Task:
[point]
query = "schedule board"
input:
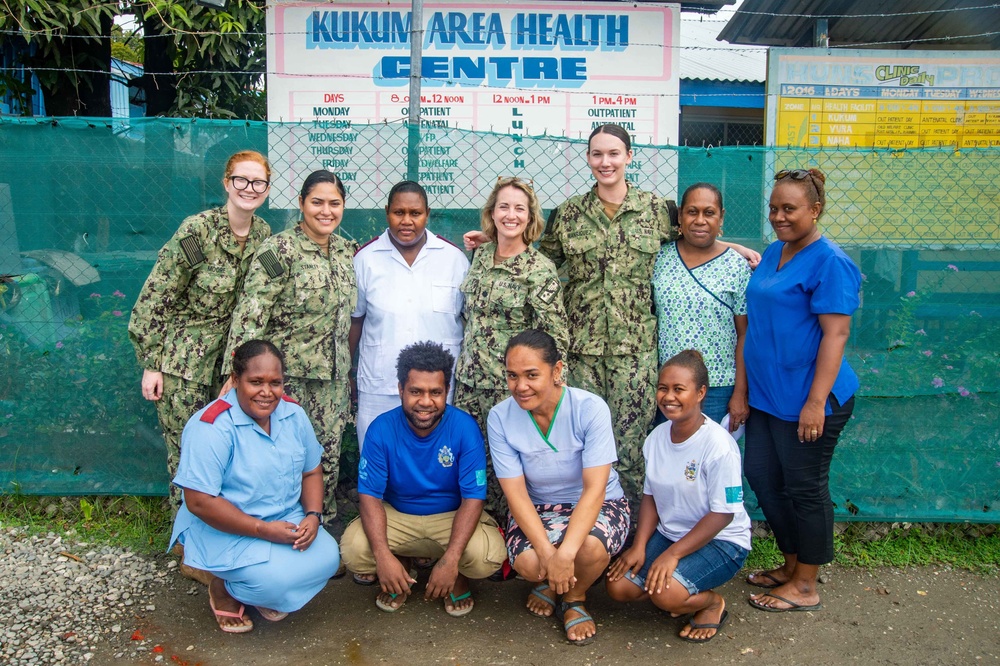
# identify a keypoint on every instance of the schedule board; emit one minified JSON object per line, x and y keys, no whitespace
{"x":884,"y":99}
{"x":942,"y":105}
{"x":512,"y":68}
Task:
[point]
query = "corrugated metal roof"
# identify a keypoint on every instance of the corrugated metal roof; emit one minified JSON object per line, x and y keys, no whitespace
{"x":917,"y":24}
{"x":702,"y":57}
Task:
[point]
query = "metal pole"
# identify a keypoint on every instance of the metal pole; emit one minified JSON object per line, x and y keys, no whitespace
{"x":413,"y":119}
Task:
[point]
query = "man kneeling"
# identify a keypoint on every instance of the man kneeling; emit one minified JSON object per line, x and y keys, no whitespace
{"x":421,"y":487}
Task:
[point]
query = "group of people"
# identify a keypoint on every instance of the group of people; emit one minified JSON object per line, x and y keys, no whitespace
{"x":503,"y":414}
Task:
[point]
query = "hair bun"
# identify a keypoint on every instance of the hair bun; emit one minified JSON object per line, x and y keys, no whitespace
{"x":818,"y":175}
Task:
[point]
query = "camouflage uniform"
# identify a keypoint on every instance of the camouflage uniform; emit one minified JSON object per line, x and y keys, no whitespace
{"x":302,"y":301}
{"x":609,"y":304}
{"x":501,"y":301}
{"x":182,"y":315}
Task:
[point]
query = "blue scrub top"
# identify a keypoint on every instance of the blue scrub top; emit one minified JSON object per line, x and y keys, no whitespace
{"x":580,"y":436}
{"x":259,"y":474}
{"x":783,"y":330}
{"x":422,"y":476}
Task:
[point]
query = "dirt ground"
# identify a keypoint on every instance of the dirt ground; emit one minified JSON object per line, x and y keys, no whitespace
{"x":884,"y":616}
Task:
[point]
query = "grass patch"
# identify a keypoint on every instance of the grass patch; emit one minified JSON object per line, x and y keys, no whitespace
{"x":910,"y":546}
{"x":141,"y":524}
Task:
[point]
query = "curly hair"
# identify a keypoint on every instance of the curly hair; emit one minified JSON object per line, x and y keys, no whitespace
{"x":426,"y":356}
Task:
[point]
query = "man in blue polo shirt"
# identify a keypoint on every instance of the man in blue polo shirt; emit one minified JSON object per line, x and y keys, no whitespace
{"x":421,"y":487}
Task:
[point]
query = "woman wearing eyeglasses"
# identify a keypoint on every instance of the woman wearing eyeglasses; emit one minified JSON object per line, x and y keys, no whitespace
{"x":299,"y":294}
{"x":180,"y":320}
{"x":510,"y":287}
{"x":799,"y":304}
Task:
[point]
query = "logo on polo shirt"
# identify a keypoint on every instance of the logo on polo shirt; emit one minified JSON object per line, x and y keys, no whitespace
{"x":445,"y":457}
{"x":691,"y":470}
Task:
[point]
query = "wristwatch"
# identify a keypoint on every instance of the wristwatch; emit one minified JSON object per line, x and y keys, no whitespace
{"x":319,"y":516}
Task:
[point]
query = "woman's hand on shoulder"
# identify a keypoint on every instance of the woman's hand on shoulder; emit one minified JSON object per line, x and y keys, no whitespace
{"x":278,"y":531}
{"x":227,"y":387}
{"x":752,"y":256}
{"x":631,"y":560}
{"x":473,"y":239}
{"x":152,"y":385}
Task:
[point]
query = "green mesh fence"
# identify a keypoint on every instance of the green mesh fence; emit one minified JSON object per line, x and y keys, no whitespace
{"x":85,"y":205}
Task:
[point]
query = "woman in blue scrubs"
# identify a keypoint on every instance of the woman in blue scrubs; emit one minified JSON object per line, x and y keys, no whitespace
{"x":799,"y":305}
{"x":253,"y":494}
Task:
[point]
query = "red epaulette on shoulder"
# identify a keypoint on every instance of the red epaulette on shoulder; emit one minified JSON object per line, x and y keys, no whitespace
{"x":214,"y":410}
{"x":448,"y":242}
{"x":366,"y":245}
{"x":286,"y":398}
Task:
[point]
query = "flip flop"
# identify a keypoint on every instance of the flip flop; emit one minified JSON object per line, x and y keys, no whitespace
{"x":792,"y":606}
{"x":458,"y":612}
{"x":219,"y":614}
{"x":539,"y":591}
{"x":388,"y":607}
{"x":365,"y":581}
{"x":764,"y":574}
{"x":707,"y":625}
{"x":271,"y":615}
{"x":584,"y":617}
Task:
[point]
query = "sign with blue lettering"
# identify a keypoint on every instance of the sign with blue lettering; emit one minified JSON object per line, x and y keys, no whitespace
{"x":517,"y":69}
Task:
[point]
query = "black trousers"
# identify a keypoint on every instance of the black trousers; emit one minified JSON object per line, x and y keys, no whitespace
{"x":792,"y":480}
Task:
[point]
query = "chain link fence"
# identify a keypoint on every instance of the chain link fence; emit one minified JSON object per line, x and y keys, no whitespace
{"x":86,"y":204}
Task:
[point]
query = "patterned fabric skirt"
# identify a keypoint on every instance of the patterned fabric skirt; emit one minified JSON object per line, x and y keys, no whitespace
{"x":611,"y":527}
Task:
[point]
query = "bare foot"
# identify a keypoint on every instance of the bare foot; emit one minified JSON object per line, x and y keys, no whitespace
{"x":708,"y":621}
{"x":229,"y":613}
{"x":541,"y":601}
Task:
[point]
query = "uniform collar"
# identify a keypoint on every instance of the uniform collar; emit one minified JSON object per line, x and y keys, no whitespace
{"x":630,"y":202}
{"x":484,"y":257}
{"x":240,"y":418}
{"x":384,"y":244}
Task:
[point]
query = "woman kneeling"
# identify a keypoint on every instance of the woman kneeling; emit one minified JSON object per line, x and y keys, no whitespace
{"x":693,"y":533}
{"x":253,"y":489}
{"x":552,"y":449}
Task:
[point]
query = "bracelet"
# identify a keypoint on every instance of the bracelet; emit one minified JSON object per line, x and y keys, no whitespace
{"x":319,"y":516}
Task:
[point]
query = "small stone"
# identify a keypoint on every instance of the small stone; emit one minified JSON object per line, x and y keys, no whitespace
{"x":116,"y":628}
{"x":151,"y":607}
{"x":824,"y":578}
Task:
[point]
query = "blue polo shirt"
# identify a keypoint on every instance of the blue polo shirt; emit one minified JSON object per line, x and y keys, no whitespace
{"x":783,"y":331}
{"x":422,"y":476}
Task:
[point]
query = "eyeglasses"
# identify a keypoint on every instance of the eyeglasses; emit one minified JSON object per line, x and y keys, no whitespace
{"x":794,"y":174}
{"x":258,"y":186}
{"x":517,"y":179}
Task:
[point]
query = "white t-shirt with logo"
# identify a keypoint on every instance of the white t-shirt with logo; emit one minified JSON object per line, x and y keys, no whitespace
{"x":690,"y":479}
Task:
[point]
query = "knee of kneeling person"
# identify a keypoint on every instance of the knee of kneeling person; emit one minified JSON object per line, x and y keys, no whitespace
{"x":593,"y":552}
{"x":355,"y":551}
{"x":484,"y":553}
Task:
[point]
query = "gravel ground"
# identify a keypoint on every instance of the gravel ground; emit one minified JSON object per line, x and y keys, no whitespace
{"x":63,"y":601}
{"x":62,"y":598}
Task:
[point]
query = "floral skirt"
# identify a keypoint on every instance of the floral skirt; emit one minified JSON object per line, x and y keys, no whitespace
{"x":611,"y":527}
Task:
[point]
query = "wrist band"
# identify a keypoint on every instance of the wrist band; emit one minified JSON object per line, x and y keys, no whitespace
{"x":319,"y":516}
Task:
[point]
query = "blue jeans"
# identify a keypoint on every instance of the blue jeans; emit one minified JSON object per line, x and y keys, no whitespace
{"x":710,"y":566}
{"x":714,"y":406}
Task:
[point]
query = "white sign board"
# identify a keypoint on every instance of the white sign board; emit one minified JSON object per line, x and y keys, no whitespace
{"x":515,"y":69}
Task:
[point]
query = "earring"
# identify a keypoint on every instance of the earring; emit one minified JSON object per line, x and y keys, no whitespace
{"x":720,"y":231}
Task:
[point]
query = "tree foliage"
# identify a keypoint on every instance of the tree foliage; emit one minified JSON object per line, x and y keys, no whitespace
{"x":198,"y":61}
